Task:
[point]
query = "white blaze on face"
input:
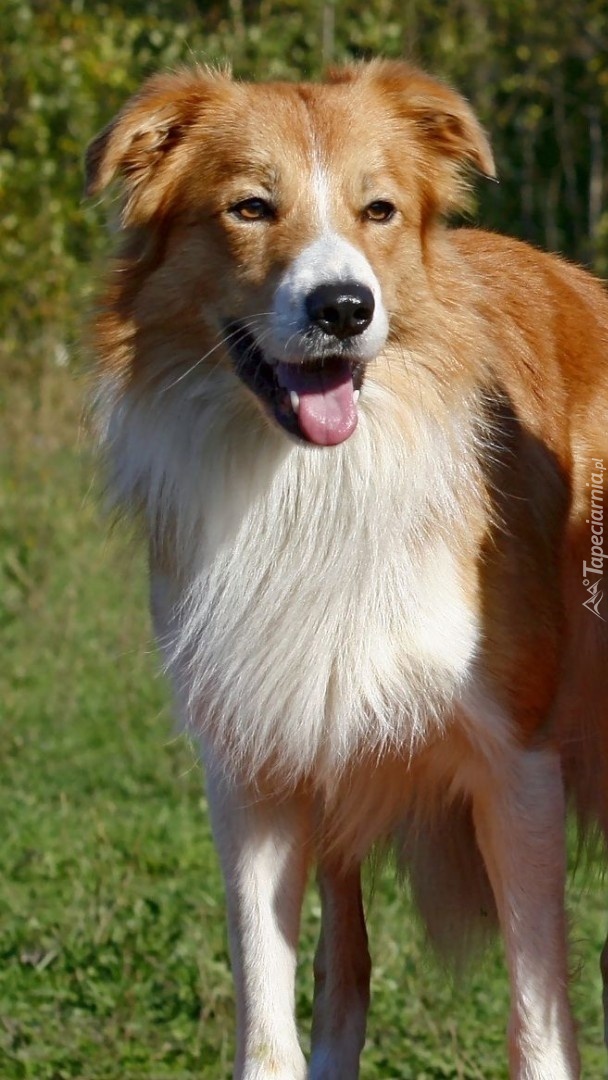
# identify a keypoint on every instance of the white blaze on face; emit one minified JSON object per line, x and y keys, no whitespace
{"x":329,"y":259}
{"x":321,"y":186}
{"x":323,"y":395}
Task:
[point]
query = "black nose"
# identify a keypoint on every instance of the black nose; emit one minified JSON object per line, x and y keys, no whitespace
{"x":343,"y":309}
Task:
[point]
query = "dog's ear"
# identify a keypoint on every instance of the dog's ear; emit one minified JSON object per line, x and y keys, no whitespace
{"x":451,"y":140}
{"x":449,"y":125}
{"x":141,"y":142}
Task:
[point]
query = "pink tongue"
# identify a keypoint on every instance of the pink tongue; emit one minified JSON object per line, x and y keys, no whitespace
{"x":327,"y":414}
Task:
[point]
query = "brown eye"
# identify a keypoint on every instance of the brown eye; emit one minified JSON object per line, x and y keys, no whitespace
{"x":380,"y":210}
{"x":252,"y":210}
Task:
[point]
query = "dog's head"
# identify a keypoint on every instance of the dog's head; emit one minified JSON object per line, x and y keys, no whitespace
{"x":281,"y":230}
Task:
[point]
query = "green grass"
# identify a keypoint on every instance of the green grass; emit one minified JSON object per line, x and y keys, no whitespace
{"x":112,"y":935}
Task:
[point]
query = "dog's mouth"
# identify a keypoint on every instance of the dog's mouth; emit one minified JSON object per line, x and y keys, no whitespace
{"x":315,"y":400}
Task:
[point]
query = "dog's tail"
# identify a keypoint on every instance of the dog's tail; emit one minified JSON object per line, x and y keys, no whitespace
{"x":450,"y":887}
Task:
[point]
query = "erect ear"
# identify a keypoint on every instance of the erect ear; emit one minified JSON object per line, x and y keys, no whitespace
{"x":137,"y":145}
{"x":452,"y":142}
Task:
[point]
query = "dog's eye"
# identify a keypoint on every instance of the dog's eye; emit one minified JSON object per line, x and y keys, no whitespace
{"x":252,"y":210}
{"x":380,"y":210}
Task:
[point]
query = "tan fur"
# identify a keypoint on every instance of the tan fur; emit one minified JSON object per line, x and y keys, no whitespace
{"x":466,"y":488}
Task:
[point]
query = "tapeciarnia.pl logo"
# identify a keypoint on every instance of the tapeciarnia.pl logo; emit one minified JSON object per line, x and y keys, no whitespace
{"x":593,"y":571}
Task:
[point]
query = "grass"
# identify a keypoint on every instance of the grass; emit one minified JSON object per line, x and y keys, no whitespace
{"x":112,"y":935}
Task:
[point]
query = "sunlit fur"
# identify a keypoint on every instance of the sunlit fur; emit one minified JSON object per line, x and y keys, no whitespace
{"x":383,"y":640}
{"x":379,"y":595}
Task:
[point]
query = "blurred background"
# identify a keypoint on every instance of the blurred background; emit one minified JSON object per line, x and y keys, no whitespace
{"x":112,"y":940}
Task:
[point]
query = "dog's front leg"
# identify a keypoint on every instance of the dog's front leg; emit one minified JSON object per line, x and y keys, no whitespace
{"x":264,"y":848}
{"x":520,"y":825}
{"x":342,"y":973}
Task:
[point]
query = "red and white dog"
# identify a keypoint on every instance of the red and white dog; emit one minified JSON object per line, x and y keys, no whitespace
{"x":370,"y":453}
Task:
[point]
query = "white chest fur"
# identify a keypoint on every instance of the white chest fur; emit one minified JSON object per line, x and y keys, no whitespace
{"x":321,"y":611}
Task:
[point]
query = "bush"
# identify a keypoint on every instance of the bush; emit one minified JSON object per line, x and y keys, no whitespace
{"x":538,"y":77}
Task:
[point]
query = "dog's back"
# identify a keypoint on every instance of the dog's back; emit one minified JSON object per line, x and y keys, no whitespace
{"x":554,"y":418}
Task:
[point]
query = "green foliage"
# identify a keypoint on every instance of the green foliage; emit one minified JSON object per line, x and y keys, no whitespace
{"x":538,"y":74}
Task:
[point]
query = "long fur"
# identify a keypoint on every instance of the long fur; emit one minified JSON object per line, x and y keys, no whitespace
{"x":382,"y":640}
{"x":281,"y":547}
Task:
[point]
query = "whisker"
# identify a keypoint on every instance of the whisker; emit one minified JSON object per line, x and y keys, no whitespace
{"x":224,"y":339}
{"x":259,"y":343}
{"x":291,"y":338}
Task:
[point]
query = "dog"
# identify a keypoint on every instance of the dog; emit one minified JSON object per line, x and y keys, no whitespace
{"x":368,"y":451}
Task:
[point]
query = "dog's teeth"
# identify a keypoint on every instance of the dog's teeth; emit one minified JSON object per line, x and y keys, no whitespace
{"x":356,"y":396}
{"x":294,"y":397}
